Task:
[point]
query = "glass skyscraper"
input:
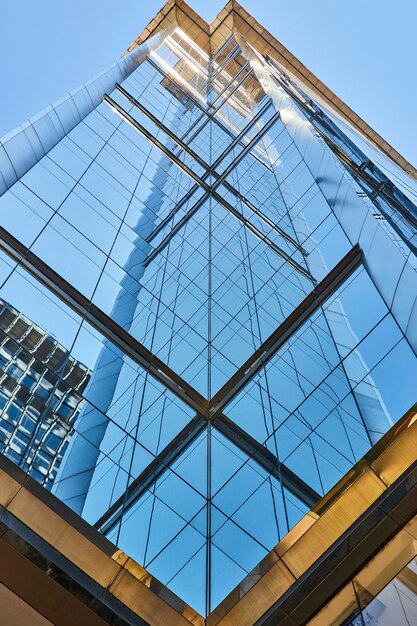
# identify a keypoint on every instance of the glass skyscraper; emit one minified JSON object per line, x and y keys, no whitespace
{"x":224,"y":256}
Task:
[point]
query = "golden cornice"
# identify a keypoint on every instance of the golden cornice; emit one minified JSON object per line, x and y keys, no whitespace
{"x":233,"y":16}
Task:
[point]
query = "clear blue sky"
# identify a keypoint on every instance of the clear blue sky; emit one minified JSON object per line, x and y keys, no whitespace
{"x":364,"y":50}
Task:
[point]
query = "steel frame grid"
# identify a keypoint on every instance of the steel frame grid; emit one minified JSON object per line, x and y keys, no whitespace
{"x":209,"y":189}
{"x":208,"y":411}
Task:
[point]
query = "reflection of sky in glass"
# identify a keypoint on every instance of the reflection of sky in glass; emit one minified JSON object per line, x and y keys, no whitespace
{"x":201,"y":270}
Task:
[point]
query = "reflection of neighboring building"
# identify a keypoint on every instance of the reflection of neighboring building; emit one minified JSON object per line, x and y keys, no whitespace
{"x":40,"y":396}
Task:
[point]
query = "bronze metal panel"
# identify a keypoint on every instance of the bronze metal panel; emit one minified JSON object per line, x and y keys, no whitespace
{"x":41,"y":593}
{"x":32,"y":506}
{"x":56,"y":531}
{"x":333,"y":523}
{"x":142,"y":601}
{"x":272,"y":585}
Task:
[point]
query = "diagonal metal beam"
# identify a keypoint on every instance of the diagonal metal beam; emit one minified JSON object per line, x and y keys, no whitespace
{"x":229,"y":57}
{"x":151,"y":474}
{"x":107,"y":327}
{"x":327,"y":287}
{"x":121,"y":339}
{"x":260,"y":235}
{"x":172,"y":213}
{"x":208,"y":188}
{"x":248,"y":147}
{"x":184,"y":146}
{"x":239,"y":78}
{"x":189,"y":194}
{"x":162,"y":126}
{"x":233,"y":433}
{"x":197,"y":129}
{"x":222,"y":47}
{"x":239,"y":138}
{"x":176,"y":140}
{"x":158,"y":144}
{"x":264,"y":217}
{"x":240,"y":197}
{"x":267,"y":460}
{"x":241,"y":218}
{"x":175,"y":229}
{"x":210,"y":116}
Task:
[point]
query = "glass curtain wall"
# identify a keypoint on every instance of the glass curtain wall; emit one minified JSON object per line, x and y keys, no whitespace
{"x":191,"y":216}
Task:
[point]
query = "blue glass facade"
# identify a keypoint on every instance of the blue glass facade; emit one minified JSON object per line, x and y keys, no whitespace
{"x":209,"y":203}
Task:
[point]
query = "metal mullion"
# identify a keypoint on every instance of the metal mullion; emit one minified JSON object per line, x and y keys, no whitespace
{"x":222,"y":47}
{"x":99,"y":320}
{"x":267,"y":460}
{"x":210,"y":79}
{"x":359,"y":172}
{"x":228,"y":132}
{"x":311,"y":303}
{"x":240,"y":137}
{"x":323,"y":126}
{"x":183,"y":90}
{"x":199,"y":106}
{"x":151,"y":474}
{"x":202,"y":183}
{"x":181,"y":442}
{"x":229,"y":57}
{"x":158,"y":144}
{"x":172,"y":213}
{"x":176,"y":229}
{"x":333,"y":568}
{"x":188,"y":95}
{"x":206,"y":187}
{"x":197,"y":121}
{"x":196,"y":132}
{"x":188,"y":59}
{"x":264,"y":217}
{"x":184,"y":55}
{"x":174,"y":82}
{"x":242,"y":80}
{"x":260,"y":235}
{"x":239,"y":216}
{"x":247,"y":148}
{"x":265,"y":165}
{"x":162,"y":127}
{"x":209,"y":451}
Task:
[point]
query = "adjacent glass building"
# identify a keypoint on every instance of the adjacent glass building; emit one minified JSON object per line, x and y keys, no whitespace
{"x":38,"y":409}
{"x":221,"y":258}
